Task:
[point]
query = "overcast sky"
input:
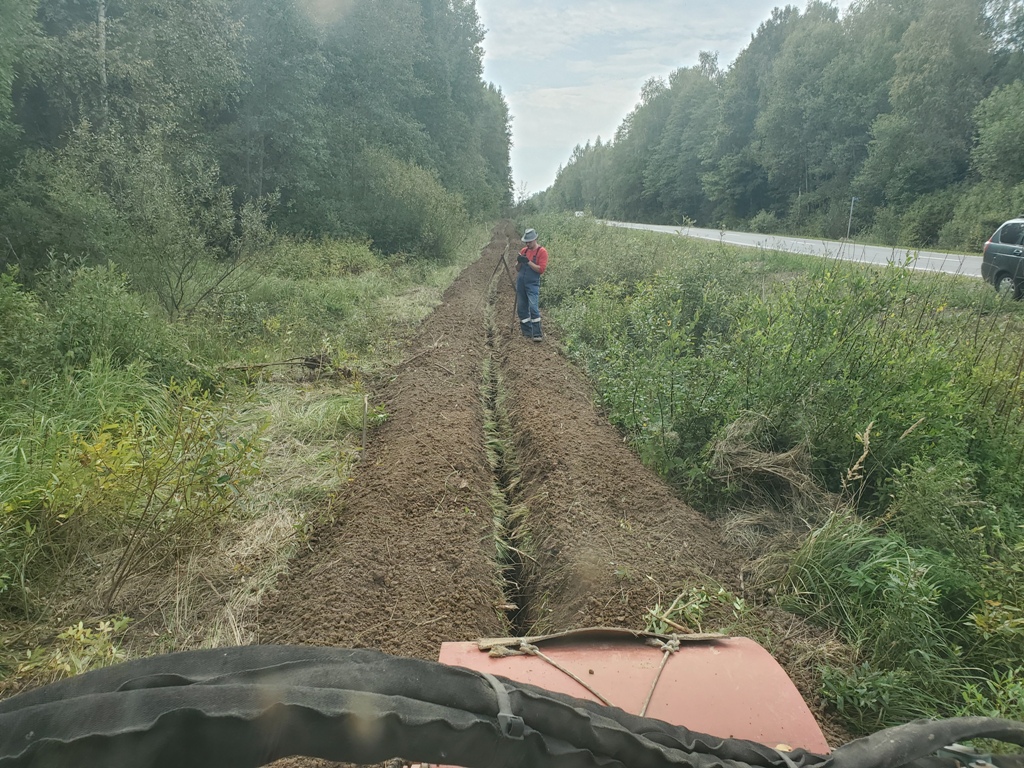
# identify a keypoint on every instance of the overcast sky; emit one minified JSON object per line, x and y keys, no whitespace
{"x":572,"y":69}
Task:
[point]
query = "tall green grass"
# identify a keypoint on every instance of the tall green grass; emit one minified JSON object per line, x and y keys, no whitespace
{"x":314,"y":297}
{"x":126,"y":438}
{"x":899,"y":606}
{"x":753,"y":379}
{"x":39,"y":420}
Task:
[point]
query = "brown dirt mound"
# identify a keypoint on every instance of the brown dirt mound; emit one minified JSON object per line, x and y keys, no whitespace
{"x":609,"y":538}
{"x":411,"y":561}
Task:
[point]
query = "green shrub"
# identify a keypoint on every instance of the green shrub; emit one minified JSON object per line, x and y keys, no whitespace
{"x":96,"y":315}
{"x":156,"y":490}
{"x":870,"y":698}
{"x":39,"y":419}
{"x":149,"y":472}
{"x":1002,"y":696}
{"x":978,"y":212}
{"x":766,"y":222}
{"x":887,"y":600}
{"x":408,"y":210}
{"x":936,"y":504}
{"x":922,"y":223}
{"x":160,"y":214}
{"x":756,"y":378}
{"x":884,"y":228}
{"x":77,"y":649}
{"x":319,"y":259}
{"x":27,"y":342}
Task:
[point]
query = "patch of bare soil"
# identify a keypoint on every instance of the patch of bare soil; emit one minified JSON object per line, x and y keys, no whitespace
{"x":411,"y":560}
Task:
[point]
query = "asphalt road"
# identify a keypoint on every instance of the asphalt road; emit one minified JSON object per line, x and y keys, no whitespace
{"x":928,"y":261}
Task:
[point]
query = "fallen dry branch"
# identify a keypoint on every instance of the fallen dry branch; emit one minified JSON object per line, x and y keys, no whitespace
{"x":312,"y":362}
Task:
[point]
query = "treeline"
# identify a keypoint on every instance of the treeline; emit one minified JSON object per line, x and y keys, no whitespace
{"x":172,"y":137}
{"x":913,"y":107}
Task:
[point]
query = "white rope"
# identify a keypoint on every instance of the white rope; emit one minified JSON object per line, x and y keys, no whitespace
{"x":668,"y":649}
{"x":533,"y":650}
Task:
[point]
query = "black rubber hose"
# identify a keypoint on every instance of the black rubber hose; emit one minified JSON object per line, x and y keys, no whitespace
{"x":252,"y":705}
{"x":916,"y":740}
{"x":248,"y":706}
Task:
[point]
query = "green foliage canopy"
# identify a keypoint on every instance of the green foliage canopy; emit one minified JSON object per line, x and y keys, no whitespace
{"x":143,"y":129}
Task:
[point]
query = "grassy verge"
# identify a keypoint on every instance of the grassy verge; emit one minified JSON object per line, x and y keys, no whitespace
{"x":155,"y":476}
{"x":880,"y":409}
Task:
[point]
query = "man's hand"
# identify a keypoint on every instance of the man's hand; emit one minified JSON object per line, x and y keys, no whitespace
{"x":522,"y":259}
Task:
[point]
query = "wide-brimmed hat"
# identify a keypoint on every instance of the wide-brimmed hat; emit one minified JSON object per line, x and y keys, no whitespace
{"x":530,"y":236}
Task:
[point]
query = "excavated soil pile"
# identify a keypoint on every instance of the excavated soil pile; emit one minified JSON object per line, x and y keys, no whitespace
{"x":609,"y":540}
{"x":412,"y":559}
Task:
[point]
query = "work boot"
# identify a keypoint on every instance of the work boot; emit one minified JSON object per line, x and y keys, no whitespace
{"x":527,"y":328}
{"x":537,"y":335}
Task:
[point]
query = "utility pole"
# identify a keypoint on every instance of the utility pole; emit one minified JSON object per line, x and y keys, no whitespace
{"x":850,"y":222}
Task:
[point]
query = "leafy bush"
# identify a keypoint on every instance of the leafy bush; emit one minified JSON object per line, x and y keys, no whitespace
{"x":870,"y":698}
{"x":156,"y":490}
{"x":78,"y":649}
{"x":884,"y":228}
{"x":159,"y":214}
{"x":96,"y":315}
{"x":894,"y":393}
{"x":296,"y":259}
{"x":936,"y":504}
{"x":107,"y":458}
{"x":978,"y":212}
{"x":408,"y":210}
{"x":922,"y":223}
{"x":39,"y":418}
{"x":1002,"y":696}
{"x":766,"y":222}
{"x":26,"y":344}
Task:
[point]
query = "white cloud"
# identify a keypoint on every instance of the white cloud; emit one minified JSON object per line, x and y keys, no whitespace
{"x":550,"y":122}
{"x":583,"y":111}
{"x":571,"y":70}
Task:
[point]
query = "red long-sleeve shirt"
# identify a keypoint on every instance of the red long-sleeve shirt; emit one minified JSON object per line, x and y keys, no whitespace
{"x":538,"y":256}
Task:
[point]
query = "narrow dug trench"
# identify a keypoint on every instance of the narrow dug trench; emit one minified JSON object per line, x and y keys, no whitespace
{"x":512,"y":541}
{"x":608,"y":539}
{"x":496,"y":500}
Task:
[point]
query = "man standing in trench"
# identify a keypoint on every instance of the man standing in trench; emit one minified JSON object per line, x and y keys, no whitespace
{"x":533,"y":260}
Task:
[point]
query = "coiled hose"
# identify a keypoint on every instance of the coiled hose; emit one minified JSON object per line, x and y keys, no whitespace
{"x":249,"y":706}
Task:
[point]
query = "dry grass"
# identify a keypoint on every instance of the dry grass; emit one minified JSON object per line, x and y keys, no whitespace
{"x":211,"y":597}
{"x":755,"y":530}
{"x":742,"y":459}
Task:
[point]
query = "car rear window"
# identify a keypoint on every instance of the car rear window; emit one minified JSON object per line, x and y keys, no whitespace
{"x":1010,"y":233}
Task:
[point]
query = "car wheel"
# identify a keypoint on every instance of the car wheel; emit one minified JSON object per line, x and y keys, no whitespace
{"x":1007,"y":287}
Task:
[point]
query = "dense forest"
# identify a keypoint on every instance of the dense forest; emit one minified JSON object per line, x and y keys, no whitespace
{"x":900,"y":119}
{"x":169,"y":136}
